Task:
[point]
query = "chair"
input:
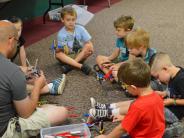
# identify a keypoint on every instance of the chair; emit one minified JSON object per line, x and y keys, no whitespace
{"x":51,"y":3}
{"x":4,"y":3}
{"x":109,"y":2}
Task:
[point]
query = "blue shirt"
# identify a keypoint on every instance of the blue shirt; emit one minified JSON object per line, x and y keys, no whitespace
{"x":150,"y":52}
{"x":123,"y":55}
{"x":66,"y":38}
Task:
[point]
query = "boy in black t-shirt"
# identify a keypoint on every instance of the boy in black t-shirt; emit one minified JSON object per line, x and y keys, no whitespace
{"x":20,"y":45}
{"x":163,"y":69}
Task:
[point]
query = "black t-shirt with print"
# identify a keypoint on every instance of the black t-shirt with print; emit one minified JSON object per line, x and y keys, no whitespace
{"x":176,"y":88}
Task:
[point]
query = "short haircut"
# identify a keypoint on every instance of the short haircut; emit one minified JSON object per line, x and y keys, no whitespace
{"x":68,"y":10}
{"x":135,"y":72}
{"x":126,"y":22}
{"x":160,"y":60}
{"x":137,"y":38}
{"x":14,"y":19}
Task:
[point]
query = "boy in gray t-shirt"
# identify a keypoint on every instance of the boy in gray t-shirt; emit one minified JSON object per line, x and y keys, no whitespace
{"x":74,"y":43}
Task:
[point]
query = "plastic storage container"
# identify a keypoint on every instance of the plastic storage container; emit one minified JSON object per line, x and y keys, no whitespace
{"x":51,"y":131}
{"x":54,"y":15}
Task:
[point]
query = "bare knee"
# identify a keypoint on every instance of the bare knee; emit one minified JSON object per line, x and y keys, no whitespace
{"x":59,"y":55}
{"x":88,"y":50}
{"x":99,"y":59}
{"x":63,"y":112}
{"x":56,"y":114}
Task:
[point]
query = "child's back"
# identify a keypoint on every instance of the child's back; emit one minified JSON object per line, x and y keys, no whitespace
{"x":145,"y":117}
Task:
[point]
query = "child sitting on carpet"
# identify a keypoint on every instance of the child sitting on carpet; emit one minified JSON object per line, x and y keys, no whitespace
{"x":75,"y":42}
{"x":21,"y":41}
{"x":123,"y":26}
{"x":142,"y":117}
{"x":137,"y":43}
{"x":163,"y":69}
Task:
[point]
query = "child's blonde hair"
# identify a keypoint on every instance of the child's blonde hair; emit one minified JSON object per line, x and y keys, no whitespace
{"x":137,"y":38}
{"x":159,"y":61}
{"x":68,"y":10}
{"x":126,"y":22}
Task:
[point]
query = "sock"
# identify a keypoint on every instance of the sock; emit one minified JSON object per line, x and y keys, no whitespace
{"x":112,"y":106}
{"x":50,"y":86}
{"x":115,"y":111}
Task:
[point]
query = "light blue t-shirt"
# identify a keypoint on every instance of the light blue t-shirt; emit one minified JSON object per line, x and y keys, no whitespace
{"x":66,"y":38}
{"x":123,"y":55}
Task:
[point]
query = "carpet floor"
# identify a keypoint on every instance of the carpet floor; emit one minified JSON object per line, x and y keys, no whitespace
{"x":164,"y":20}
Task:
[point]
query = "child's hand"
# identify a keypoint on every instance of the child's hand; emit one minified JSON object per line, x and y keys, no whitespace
{"x":114,"y":67}
{"x":168,"y":101}
{"x":114,"y":74}
{"x":162,"y":93}
{"x":118,"y":118}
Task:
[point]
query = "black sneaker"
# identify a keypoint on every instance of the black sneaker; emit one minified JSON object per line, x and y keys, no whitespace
{"x":66,"y":68}
{"x":101,"y":114}
{"x":86,"y":69}
{"x":98,"y":105}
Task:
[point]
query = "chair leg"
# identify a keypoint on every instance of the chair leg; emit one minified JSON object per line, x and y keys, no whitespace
{"x":109,"y":3}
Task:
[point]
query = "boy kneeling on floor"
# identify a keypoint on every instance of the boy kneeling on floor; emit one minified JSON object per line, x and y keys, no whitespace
{"x":142,"y":117}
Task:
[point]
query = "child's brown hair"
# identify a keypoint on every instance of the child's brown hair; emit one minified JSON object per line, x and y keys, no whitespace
{"x":126,"y":22}
{"x":137,"y":38}
{"x":68,"y":10}
{"x":135,"y":72}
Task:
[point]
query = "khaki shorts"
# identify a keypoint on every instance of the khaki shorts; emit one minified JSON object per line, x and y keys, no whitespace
{"x":28,"y":127}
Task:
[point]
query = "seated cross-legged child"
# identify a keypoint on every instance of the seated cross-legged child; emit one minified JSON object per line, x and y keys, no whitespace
{"x":141,"y":117}
{"x":123,"y":26}
{"x":75,"y":42}
{"x":137,"y":43}
{"x":166,"y":72}
{"x":21,"y":41}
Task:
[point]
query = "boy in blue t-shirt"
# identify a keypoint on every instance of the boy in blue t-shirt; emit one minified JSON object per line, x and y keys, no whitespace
{"x":123,"y":26}
{"x":137,"y":43}
{"x":74,"y":43}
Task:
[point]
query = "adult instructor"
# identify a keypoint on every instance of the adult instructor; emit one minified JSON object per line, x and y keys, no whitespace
{"x":19,"y":115}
